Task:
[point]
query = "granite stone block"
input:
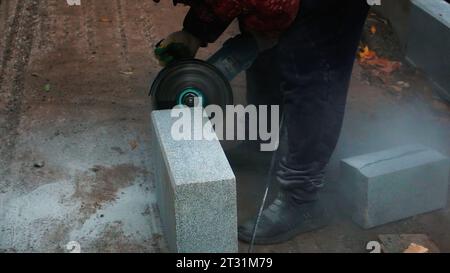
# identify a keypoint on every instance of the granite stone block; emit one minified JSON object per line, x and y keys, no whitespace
{"x":394,"y":184}
{"x":196,"y":191}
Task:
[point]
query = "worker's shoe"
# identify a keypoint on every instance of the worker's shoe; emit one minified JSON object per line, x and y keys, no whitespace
{"x":284,"y":219}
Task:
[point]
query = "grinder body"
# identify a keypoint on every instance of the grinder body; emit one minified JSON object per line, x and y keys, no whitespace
{"x":236,"y":55}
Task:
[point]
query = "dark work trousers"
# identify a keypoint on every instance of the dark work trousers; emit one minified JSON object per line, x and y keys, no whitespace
{"x":308,"y":75}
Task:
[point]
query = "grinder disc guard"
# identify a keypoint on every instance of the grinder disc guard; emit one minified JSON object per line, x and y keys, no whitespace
{"x":183,"y":81}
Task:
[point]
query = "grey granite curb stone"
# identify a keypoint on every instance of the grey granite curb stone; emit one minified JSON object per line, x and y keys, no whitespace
{"x":196,"y":191}
{"x":394,"y":184}
{"x":423,"y":27}
{"x":429,"y":41}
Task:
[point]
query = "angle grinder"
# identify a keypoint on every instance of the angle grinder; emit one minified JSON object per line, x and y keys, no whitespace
{"x":187,"y":81}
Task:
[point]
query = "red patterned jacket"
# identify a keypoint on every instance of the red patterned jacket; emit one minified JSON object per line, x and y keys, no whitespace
{"x":207,"y":19}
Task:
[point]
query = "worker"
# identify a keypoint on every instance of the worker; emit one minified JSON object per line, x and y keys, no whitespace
{"x":307,"y":52}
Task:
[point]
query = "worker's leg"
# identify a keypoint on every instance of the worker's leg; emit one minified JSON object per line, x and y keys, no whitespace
{"x":316,"y":73}
{"x":316,"y":58}
{"x":263,"y":88}
{"x":263,"y":80}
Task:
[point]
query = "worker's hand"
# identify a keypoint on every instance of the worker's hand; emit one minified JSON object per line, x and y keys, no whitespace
{"x":178,"y":45}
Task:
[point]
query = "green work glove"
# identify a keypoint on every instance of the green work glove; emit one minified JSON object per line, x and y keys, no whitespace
{"x":178,"y":45}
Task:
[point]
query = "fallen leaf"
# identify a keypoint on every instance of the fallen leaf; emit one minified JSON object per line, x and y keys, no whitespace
{"x":370,"y":58}
{"x":415,"y":248}
{"x":105,"y":20}
{"x":384,"y":65}
{"x":397,"y":88}
{"x":367,"y":54}
{"x":47,"y":87}
{"x":403,"y":84}
{"x":133,"y":144}
{"x":373,"y":29}
{"x":127,"y":73}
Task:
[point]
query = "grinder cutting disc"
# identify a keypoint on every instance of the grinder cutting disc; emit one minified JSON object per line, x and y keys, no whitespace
{"x":182,"y":82}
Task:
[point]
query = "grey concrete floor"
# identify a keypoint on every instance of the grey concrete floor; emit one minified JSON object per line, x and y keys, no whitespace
{"x":75,"y":155}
